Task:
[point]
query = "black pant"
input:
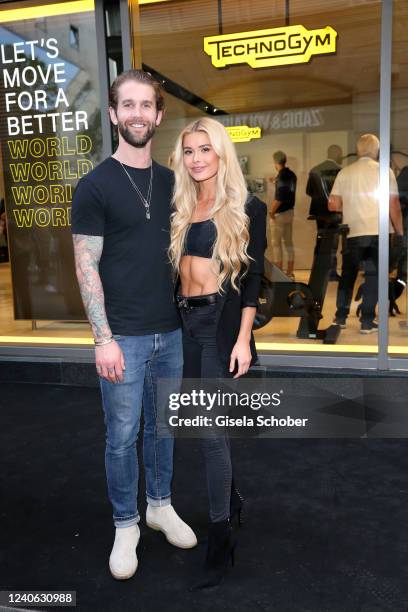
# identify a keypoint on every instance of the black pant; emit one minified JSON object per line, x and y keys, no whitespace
{"x":402,"y":259}
{"x":202,"y":361}
{"x":361,"y":251}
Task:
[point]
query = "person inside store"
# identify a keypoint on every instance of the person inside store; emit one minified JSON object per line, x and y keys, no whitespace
{"x":121,"y":231}
{"x":218,"y":239}
{"x":402,"y":182}
{"x":319,"y":185}
{"x":281,"y":213}
{"x":355,"y":195}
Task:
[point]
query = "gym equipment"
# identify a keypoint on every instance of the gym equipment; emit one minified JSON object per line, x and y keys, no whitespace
{"x":282,"y":297}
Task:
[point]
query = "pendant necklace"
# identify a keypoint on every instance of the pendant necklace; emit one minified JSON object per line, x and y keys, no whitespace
{"x":146,"y":201}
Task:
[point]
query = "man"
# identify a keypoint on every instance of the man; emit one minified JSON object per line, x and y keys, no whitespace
{"x":120,"y":224}
{"x":281,"y":213}
{"x":319,"y":185}
{"x":355,"y":194}
{"x":402,"y":182}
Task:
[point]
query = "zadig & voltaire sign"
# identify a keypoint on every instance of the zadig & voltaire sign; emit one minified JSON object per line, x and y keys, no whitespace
{"x":267,"y":48}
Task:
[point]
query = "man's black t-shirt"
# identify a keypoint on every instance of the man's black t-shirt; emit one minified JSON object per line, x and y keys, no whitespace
{"x":319,"y":185}
{"x":134,"y":267}
{"x":285,"y":189}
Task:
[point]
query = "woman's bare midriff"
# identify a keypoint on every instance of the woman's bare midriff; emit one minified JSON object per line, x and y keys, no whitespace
{"x":198,"y":276}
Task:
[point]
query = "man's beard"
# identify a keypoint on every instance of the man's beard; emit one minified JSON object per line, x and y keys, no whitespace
{"x":134,"y":141}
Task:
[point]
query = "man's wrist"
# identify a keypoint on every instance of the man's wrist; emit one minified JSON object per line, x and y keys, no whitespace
{"x":103,"y":341}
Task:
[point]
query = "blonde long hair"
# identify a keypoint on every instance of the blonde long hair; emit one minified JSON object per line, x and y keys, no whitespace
{"x":228,"y":212}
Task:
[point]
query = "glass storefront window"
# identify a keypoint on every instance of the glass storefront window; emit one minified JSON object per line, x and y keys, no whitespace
{"x":398,"y":319}
{"x":310,"y":111}
{"x":50,"y":136}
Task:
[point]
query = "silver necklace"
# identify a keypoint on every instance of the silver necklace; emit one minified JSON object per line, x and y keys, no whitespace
{"x":146,"y":201}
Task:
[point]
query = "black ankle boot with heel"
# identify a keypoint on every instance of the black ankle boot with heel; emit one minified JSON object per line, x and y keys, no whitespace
{"x":220,"y":553}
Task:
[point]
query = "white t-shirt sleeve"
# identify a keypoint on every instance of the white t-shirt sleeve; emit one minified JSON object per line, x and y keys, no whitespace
{"x":337,"y":189}
{"x":393,"y":184}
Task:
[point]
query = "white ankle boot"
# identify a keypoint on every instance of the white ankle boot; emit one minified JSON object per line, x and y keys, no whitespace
{"x":166,"y":519}
{"x":123,"y":559}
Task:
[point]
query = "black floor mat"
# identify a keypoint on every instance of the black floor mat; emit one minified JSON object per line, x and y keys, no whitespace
{"x":325,"y":531}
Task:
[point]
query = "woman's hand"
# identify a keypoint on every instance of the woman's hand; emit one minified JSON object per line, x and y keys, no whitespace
{"x":241,"y":353}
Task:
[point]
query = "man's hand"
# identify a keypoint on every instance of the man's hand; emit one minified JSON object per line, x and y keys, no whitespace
{"x":273,"y":208}
{"x":110,"y":362}
{"x":335,"y":203}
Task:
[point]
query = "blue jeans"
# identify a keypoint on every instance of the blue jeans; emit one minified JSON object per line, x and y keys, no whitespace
{"x":147,"y":359}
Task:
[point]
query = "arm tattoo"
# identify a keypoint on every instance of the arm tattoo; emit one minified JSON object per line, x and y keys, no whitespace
{"x":88,"y":251}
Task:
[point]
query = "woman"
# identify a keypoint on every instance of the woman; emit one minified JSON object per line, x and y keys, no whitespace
{"x":217,"y":248}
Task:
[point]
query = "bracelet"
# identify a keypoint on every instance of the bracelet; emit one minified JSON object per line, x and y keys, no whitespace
{"x":103,"y":341}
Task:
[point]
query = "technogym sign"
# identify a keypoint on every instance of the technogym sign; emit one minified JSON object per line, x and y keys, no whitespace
{"x":243,"y":133}
{"x":268,"y":48}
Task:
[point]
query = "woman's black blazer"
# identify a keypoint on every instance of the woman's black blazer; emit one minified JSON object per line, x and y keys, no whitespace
{"x":231,"y":302}
{"x":249,"y":281}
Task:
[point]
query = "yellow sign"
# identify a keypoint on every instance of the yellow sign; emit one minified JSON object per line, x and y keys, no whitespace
{"x":268,"y":48}
{"x":46,"y":10}
{"x":243,"y":133}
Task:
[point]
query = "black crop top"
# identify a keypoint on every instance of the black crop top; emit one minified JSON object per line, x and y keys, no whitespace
{"x":200,"y":239}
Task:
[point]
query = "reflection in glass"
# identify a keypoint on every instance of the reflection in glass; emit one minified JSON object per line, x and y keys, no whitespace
{"x":312,"y":112}
{"x":50,"y":136}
